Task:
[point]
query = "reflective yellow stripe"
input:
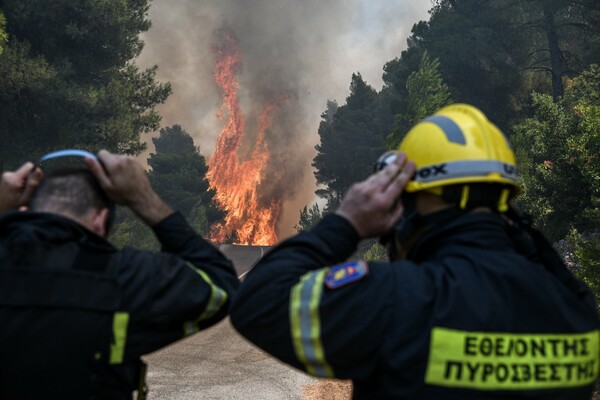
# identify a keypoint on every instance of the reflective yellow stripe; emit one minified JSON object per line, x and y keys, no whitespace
{"x":503,"y":201}
{"x":190,"y":327}
{"x":117,"y":348}
{"x":512,"y":361}
{"x":464,"y":197}
{"x":218,"y":297}
{"x":305,"y":323}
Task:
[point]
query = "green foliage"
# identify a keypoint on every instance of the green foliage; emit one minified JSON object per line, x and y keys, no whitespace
{"x":87,"y":37}
{"x":494,"y":53}
{"x":560,"y":35}
{"x":178,"y":174}
{"x":426,"y":93}
{"x":309,"y":217}
{"x":3,"y":35}
{"x":370,"y":250}
{"x":129,"y":230}
{"x":25,"y":80}
{"x":587,"y":258}
{"x":376,"y":253}
{"x":198,"y":220}
{"x":351,"y":140}
{"x":480,"y":55}
{"x":558,"y":150}
{"x":69,"y":78}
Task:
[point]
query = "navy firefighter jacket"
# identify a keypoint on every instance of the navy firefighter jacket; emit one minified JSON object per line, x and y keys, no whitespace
{"x":76,"y":314}
{"x":472,"y":315}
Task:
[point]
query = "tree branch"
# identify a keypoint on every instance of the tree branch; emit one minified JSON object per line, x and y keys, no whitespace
{"x":532,"y":68}
{"x":533,"y":24}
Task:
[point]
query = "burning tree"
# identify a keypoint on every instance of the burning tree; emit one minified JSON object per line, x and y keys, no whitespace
{"x":251,"y":215}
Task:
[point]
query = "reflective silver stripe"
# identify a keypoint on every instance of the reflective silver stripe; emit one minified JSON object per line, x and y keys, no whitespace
{"x":452,"y":131}
{"x":460,"y":169}
{"x":190,"y":327}
{"x":305,"y":323}
{"x":217,"y":298}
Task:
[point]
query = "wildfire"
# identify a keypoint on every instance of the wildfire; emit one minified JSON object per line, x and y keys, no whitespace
{"x":237,"y":182}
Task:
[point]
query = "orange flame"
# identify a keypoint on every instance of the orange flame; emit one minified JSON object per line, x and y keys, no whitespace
{"x":251,"y":217}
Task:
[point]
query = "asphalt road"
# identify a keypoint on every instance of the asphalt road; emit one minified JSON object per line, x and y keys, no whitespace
{"x":219,"y":364}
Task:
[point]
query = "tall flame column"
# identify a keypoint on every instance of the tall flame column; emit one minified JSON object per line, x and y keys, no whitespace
{"x":236,"y":181}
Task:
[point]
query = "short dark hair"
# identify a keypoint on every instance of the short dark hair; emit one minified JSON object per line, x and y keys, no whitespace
{"x":74,"y":190}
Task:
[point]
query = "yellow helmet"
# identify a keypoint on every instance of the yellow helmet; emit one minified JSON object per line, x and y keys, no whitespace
{"x":458,"y":145}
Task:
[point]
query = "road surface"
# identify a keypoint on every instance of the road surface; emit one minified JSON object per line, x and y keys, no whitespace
{"x":219,"y":364}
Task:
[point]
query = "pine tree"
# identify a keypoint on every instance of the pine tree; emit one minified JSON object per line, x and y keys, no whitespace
{"x":309,"y":217}
{"x":178,"y":174}
{"x":426,"y":93}
{"x":68,"y":78}
{"x":558,"y":150}
{"x":351,"y":140}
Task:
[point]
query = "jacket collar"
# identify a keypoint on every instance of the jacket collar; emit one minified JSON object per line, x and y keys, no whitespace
{"x":51,"y":228}
{"x":480,"y":230}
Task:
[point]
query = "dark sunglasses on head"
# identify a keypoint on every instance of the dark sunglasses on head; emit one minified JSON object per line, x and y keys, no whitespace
{"x":78,"y":154}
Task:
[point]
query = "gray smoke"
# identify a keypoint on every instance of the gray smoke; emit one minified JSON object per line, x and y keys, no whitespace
{"x":306,"y":49}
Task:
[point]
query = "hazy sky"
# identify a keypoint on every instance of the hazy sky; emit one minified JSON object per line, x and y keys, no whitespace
{"x":309,"y":48}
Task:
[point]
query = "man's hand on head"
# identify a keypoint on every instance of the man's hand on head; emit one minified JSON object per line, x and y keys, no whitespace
{"x":372,"y":206}
{"x":125,"y":182}
{"x":17,"y":187}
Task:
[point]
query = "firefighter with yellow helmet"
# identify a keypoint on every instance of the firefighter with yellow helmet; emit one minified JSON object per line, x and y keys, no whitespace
{"x":474,"y":303}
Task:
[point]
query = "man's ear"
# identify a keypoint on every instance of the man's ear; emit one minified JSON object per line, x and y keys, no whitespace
{"x":99,"y":220}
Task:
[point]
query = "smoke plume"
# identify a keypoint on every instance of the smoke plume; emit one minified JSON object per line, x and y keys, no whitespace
{"x":303,"y":50}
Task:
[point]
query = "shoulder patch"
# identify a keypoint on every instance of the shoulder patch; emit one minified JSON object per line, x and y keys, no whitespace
{"x":343,"y":274}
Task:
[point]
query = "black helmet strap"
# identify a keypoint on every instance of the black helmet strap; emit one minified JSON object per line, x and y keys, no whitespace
{"x":411,"y":221}
{"x":464,"y":196}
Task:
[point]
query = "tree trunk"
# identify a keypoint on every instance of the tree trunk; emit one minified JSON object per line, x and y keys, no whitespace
{"x":555,"y":53}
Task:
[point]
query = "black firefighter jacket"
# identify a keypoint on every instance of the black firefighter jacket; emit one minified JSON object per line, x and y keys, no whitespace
{"x":76,"y":314}
{"x":469,"y":317}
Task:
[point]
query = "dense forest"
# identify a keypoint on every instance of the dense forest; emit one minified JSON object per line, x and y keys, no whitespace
{"x":68,"y":75}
